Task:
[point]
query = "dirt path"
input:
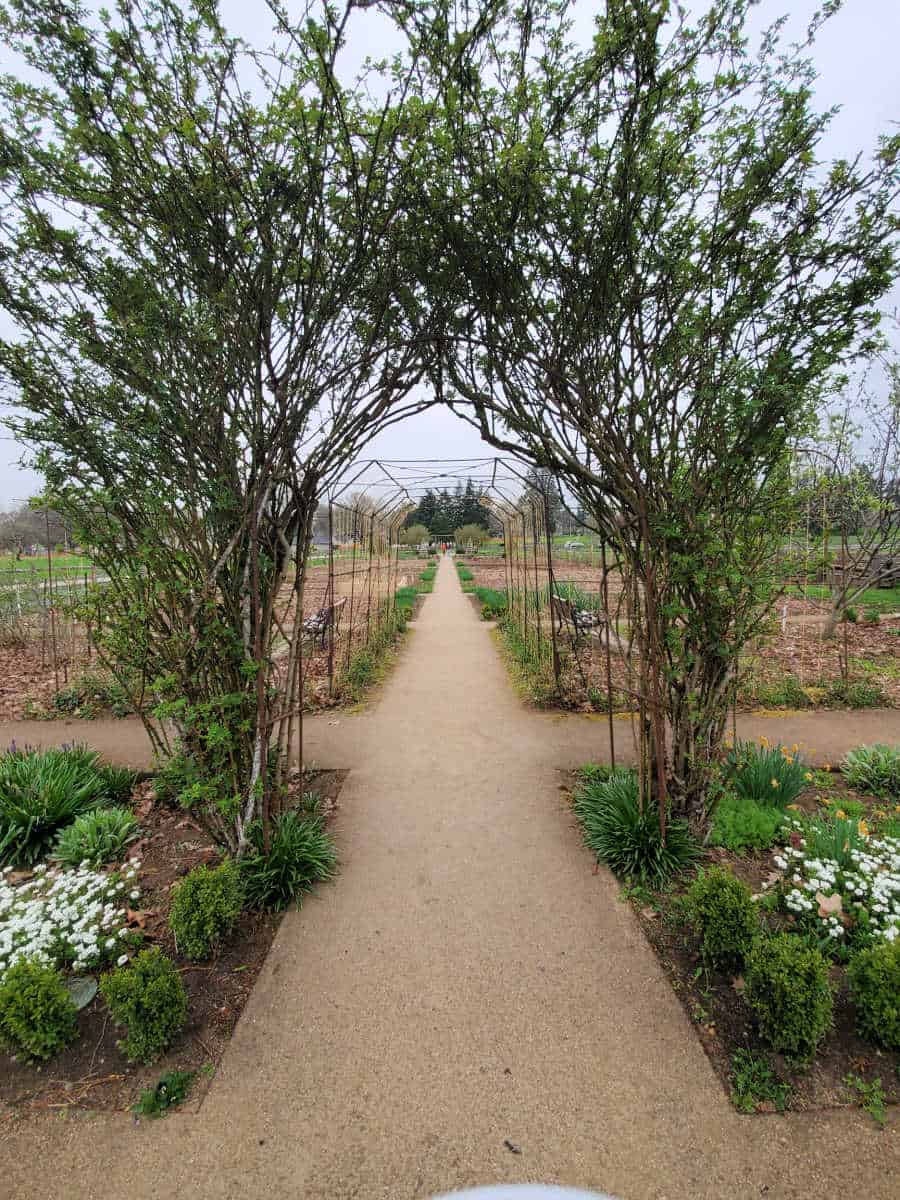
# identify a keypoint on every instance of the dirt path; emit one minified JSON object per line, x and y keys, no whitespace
{"x":468,"y":984}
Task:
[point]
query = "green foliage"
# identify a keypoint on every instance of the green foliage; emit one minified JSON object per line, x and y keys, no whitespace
{"x":405,"y":602}
{"x":786,"y":692}
{"x":753,"y":1082}
{"x":829,"y":836}
{"x":171,"y":1091}
{"x":37,"y":1014}
{"x":465,"y":575}
{"x":531,"y":671}
{"x":874,"y":978}
{"x":625,"y":836}
{"x":42,"y":791}
{"x":742,"y":824}
{"x":855,"y":693}
{"x":97,"y":837}
{"x":870,"y":1096}
{"x":361,"y":672}
{"x":766,"y":775}
{"x":470,"y":535}
{"x":787,"y":988}
{"x":148,"y":998}
{"x":205,"y":907}
{"x":300,"y":855}
{"x":874,"y":769}
{"x":724,"y":917}
{"x":90,"y":696}
{"x":873,"y":615}
{"x":493,"y":602}
{"x":850,"y":615}
{"x":414,"y":535}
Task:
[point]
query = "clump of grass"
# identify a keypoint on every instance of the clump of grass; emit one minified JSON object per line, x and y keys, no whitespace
{"x":96,"y":837}
{"x":42,"y":791}
{"x":301,"y":853}
{"x":766,"y":774}
{"x":624,"y":833}
{"x":874,"y":769}
{"x":493,"y":603}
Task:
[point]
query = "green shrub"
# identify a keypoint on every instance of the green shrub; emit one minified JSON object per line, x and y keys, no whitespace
{"x":37,"y":1014}
{"x":874,"y":769}
{"x":872,"y":614}
{"x":874,"y":978}
{"x":724,"y":917}
{"x":786,"y":985}
{"x":205,"y":906}
{"x":465,"y":575}
{"x":42,"y":791}
{"x":767,"y":774}
{"x":300,"y":854}
{"x":742,"y":824}
{"x":850,"y":615}
{"x":860,"y":693}
{"x":148,"y":999}
{"x":625,"y":836}
{"x":89,"y":696}
{"x":96,"y":837}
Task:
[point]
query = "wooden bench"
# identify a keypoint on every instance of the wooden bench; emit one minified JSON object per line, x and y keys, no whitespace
{"x":318,"y":624}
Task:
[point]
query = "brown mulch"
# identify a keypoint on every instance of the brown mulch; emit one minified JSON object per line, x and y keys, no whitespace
{"x":714,"y":1003}
{"x":92,"y":1073}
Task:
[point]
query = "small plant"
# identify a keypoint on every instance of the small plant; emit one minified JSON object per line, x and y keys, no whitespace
{"x":786,"y":986}
{"x":851,"y":615}
{"x":754,"y":1083}
{"x":41,"y":791}
{"x":493,"y":603}
{"x":742,"y":824}
{"x":171,"y":1091}
{"x":773,"y":775}
{"x":874,"y":978}
{"x":870,"y":1096}
{"x":624,"y":834}
{"x":782,"y":693}
{"x":874,"y":769}
{"x":834,"y":839}
{"x":148,"y":999}
{"x":96,"y":837}
{"x":872,"y":614}
{"x":37,"y":1014}
{"x":300,"y":854}
{"x":859,"y":693}
{"x":724,"y":917}
{"x":89,"y":696}
{"x":205,"y":907}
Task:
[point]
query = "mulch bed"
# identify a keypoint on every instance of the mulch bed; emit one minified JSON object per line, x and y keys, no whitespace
{"x":92,"y":1073}
{"x":725,"y":1024}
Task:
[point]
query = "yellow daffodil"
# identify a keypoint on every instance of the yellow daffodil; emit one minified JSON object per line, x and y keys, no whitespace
{"x":863,"y":829}
{"x":840,"y":814}
{"x":775,"y":783}
{"x":808,"y":776}
{"x":827,"y":767}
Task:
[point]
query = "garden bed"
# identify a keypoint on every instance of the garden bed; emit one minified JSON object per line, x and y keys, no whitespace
{"x":92,"y":1073}
{"x":847,"y":1069}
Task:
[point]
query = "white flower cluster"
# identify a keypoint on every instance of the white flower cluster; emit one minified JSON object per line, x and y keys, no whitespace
{"x":65,"y":917}
{"x":869,"y":891}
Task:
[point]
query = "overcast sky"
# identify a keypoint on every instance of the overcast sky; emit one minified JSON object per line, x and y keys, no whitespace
{"x":856,"y":59}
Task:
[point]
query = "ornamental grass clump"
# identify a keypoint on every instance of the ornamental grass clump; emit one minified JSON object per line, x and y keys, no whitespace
{"x":148,"y":999}
{"x":786,"y":986}
{"x":205,"y":907}
{"x":724,"y":917}
{"x":874,"y":978}
{"x":42,"y":791}
{"x":301,"y":854}
{"x":37,"y":1014}
{"x":773,"y":775}
{"x":624,"y":833}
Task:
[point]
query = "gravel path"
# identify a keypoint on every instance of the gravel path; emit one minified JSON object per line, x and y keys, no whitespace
{"x":469,"y":1003}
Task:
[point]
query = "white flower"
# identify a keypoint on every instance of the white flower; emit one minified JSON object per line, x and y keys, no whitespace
{"x":121,"y":960}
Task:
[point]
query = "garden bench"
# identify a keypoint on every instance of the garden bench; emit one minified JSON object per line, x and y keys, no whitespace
{"x":318,"y":624}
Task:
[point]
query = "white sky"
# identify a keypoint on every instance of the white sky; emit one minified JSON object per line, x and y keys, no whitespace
{"x":856,"y":60}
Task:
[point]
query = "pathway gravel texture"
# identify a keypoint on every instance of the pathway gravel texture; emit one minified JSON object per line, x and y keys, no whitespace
{"x":468,"y":1003}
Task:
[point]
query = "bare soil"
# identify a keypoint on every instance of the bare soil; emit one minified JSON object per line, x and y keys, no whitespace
{"x":93,"y":1073}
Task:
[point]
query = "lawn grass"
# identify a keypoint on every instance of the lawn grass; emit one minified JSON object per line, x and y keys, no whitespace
{"x":37,"y":565}
{"x":882,"y":599}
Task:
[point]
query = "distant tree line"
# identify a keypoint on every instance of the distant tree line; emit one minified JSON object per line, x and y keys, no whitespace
{"x":441,"y":512}
{"x":24,"y":527}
